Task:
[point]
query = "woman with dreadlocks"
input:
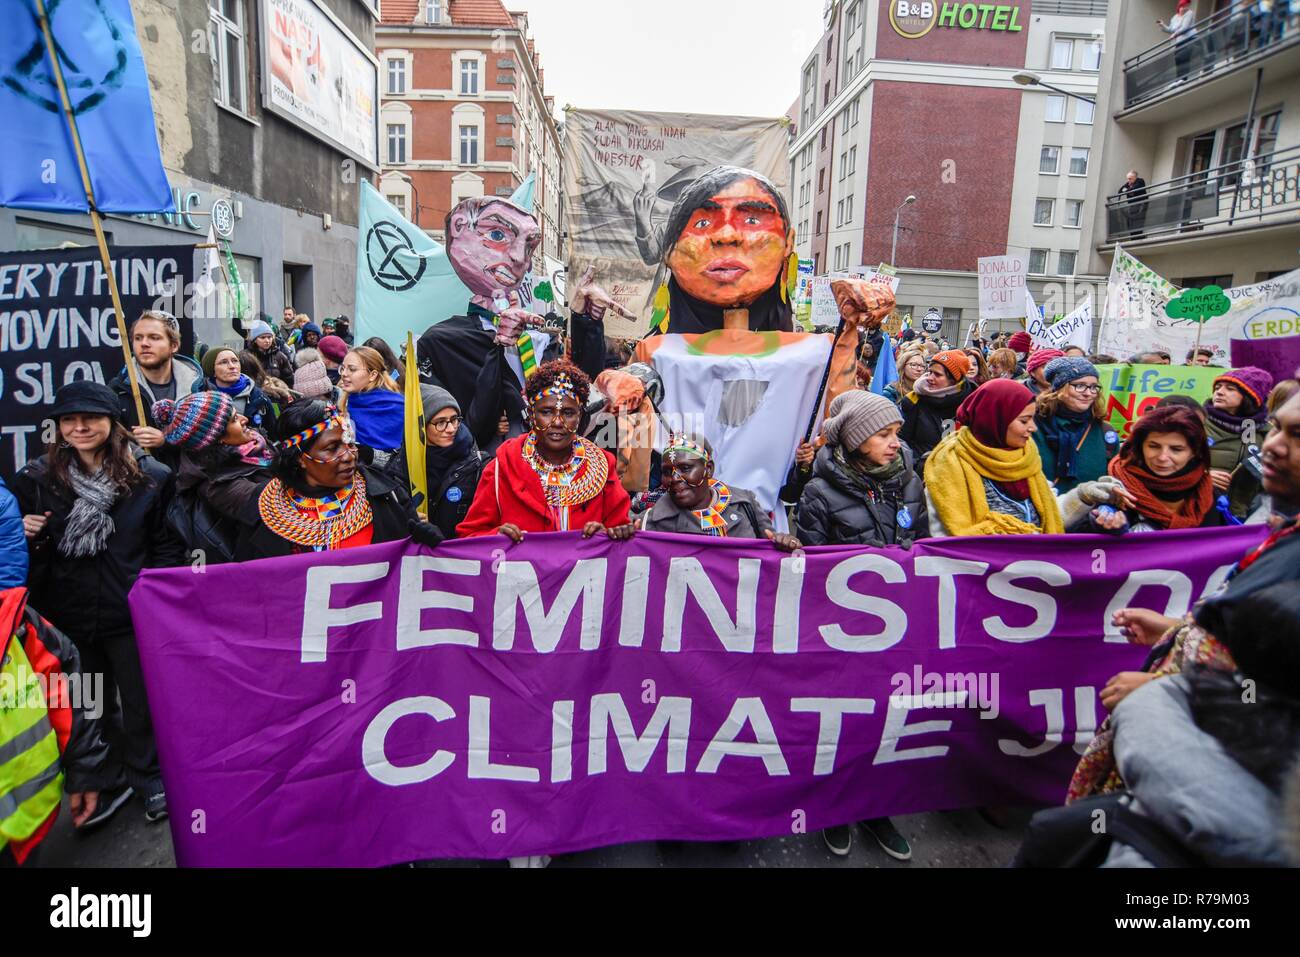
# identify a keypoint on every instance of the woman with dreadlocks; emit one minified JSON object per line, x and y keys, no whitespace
{"x":697,"y":503}
{"x":321,"y":498}
{"x":550,"y":479}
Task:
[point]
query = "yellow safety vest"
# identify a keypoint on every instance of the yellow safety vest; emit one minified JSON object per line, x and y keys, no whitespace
{"x":31,"y":779}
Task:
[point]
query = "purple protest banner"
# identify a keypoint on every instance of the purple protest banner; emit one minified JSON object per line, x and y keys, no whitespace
{"x":397,"y":703}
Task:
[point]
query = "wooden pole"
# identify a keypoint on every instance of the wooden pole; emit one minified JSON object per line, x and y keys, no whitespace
{"x":94,"y":212}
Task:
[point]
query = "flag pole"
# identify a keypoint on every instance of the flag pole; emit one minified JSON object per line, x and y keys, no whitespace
{"x":94,"y":212}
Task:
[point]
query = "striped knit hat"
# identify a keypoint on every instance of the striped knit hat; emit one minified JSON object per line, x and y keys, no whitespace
{"x":195,"y":421}
{"x":1255,"y":383}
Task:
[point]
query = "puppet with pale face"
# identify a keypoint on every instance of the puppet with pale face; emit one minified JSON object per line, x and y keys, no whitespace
{"x":491,"y":243}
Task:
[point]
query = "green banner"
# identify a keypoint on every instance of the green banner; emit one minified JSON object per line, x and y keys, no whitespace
{"x":1130,"y":390}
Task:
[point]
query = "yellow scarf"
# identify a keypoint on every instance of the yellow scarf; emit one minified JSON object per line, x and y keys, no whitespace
{"x":954,"y":477}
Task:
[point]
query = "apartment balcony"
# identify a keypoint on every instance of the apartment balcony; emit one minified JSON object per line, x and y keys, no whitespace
{"x":1244,"y":197}
{"x":1229,"y":43}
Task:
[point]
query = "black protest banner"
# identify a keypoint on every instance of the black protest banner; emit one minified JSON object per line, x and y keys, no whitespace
{"x":57,"y":326}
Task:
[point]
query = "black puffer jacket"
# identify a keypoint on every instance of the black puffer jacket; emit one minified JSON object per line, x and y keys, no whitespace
{"x":454,"y":493}
{"x":86,"y":597}
{"x":924,"y":417}
{"x":839,"y":508}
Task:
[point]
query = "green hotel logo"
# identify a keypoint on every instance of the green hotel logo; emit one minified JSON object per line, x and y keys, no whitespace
{"x":914,"y":20}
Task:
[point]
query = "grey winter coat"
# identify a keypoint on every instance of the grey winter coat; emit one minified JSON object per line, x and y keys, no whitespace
{"x":745,"y":517}
{"x":838,"y":508}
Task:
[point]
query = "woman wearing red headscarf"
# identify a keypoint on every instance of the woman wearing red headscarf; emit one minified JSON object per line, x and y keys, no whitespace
{"x":1165,"y":465}
{"x":986,"y":478}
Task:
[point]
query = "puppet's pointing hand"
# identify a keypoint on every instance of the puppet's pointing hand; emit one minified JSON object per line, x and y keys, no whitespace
{"x":512,"y":322}
{"x":591,"y":300}
{"x":862,"y":303}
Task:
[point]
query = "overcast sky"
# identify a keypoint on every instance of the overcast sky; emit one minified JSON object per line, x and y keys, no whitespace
{"x":733,"y":57}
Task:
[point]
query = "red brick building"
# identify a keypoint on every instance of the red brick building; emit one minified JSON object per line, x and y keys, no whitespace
{"x":464,"y":111}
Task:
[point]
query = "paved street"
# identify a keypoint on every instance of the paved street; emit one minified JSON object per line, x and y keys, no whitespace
{"x":943,"y":839}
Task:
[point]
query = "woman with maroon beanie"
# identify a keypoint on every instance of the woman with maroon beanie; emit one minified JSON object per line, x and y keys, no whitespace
{"x":1165,"y":466}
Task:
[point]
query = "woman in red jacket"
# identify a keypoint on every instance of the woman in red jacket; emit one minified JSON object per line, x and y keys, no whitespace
{"x":550,"y":479}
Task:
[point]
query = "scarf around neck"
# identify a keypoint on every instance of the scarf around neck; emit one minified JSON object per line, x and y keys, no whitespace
{"x":244,"y":384}
{"x":954,"y":478}
{"x":922,"y":389}
{"x":861,"y":474}
{"x":1235,"y":424}
{"x":256,"y":451}
{"x":89,"y":525}
{"x":1064,"y":432}
{"x":1175,"y":501}
{"x":379,"y":416}
{"x":440,"y":461}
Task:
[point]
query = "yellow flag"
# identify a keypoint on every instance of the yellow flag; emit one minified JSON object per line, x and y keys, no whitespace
{"x":414,"y":432}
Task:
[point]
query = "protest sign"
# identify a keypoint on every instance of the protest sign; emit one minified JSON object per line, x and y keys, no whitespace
{"x":1130,"y":390}
{"x":1002,"y":285}
{"x":623,"y":170}
{"x":1072,"y":330}
{"x":57,"y":326}
{"x":1266,"y":333}
{"x":486,"y":702}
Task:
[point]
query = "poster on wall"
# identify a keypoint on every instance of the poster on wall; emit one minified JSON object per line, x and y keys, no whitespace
{"x":57,"y":326}
{"x":318,"y":76}
{"x":622,"y":173}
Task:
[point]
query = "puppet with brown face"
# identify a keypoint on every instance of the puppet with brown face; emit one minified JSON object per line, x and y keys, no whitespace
{"x":490,"y":243}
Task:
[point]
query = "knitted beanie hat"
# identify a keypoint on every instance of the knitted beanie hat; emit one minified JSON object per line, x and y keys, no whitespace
{"x":1040,"y":358}
{"x":1254,"y":382}
{"x":856,"y":416}
{"x":332,"y":348}
{"x":1061,"y":372}
{"x":957,"y":363}
{"x":259,"y":328}
{"x":209,"y":360}
{"x":435,"y":398}
{"x":1021,"y":342}
{"x":312,"y":380}
{"x":195,"y":421}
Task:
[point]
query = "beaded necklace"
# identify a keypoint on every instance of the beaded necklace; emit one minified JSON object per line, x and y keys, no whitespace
{"x":712,"y":521}
{"x":562,"y":485}
{"x":318,"y":523}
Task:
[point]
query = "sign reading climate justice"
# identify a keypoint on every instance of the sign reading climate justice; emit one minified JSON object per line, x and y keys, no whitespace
{"x":483,"y":701}
{"x":912,"y":19}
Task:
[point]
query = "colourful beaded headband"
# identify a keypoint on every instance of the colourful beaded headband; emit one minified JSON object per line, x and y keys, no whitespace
{"x":333,"y":417}
{"x":682,"y":443}
{"x":562,"y":386}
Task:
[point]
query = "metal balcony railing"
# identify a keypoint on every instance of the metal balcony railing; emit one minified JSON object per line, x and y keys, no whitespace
{"x":1070,"y":8}
{"x":1221,"y":40}
{"x":1263,"y":189}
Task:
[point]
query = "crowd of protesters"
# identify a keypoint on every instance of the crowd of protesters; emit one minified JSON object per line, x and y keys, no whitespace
{"x":295,"y":443}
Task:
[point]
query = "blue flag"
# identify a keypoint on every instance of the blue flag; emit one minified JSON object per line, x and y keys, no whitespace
{"x":886,"y":369}
{"x":109,"y":91}
{"x":405,"y":282}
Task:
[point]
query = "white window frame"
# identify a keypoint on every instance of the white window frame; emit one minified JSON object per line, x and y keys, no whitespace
{"x":851,"y":20}
{"x":1084,"y":112}
{"x":398,"y":201}
{"x":1056,"y":167}
{"x":1088,"y":46}
{"x":839,"y":217}
{"x":1056,"y":43}
{"x":1060,"y":270}
{"x":1075,"y":204}
{"x":397,"y":113}
{"x":465,"y":185}
{"x":848,"y":209}
{"x":1087,"y":156}
{"x":468,"y":114}
{"x":219,"y":27}
{"x":853,"y":159}
{"x":1053,"y":100}
{"x":467,"y":145}
{"x":398,"y":62}
{"x":468,"y":74}
{"x":857,"y":109}
{"x":395,"y":136}
{"x":433,"y":11}
{"x":844,"y":164}
{"x":1043,"y":270}
{"x":1051,"y":210}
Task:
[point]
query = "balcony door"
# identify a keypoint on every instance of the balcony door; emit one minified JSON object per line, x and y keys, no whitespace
{"x":1200,"y":156}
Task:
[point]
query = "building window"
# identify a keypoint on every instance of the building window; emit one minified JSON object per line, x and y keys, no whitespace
{"x":857,"y":104}
{"x":1065,"y":262}
{"x":821,"y":180}
{"x":819,"y":222}
{"x":851,"y":21}
{"x":469,"y":77}
{"x":397,"y":75}
{"x":853,"y":159}
{"x":398,"y":201}
{"x":1083,"y":112}
{"x":1092,"y":56}
{"x":844,"y":122}
{"x":844,"y":165}
{"x":1062,"y":54}
{"x":839,"y":215}
{"x":1056,"y":109}
{"x":1043,"y":211}
{"x":396,"y":143}
{"x":1074,"y":212}
{"x":1049,"y":159}
{"x":1079,"y":161}
{"x":826,"y":95}
{"x":1038,"y":261}
{"x":468,"y":145}
{"x":823,"y":138}
{"x":848,"y":210}
{"x":226,"y":48}
{"x":432,"y":11}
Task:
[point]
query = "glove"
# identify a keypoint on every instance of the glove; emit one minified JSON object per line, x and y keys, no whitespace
{"x":425,"y":533}
{"x":1098,"y":492}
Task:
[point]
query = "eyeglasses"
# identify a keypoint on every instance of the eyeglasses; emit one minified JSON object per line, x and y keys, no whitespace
{"x":343,"y":451}
{"x":1085,"y":389}
{"x":556,"y":415}
{"x":445,"y":425}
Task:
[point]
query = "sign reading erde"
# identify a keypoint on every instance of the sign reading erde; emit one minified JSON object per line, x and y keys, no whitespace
{"x":914,"y":20}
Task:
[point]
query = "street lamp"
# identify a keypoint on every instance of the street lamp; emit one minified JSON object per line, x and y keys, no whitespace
{"x":893,"y":251}
{"x":1025,"y":78}
{"x":411,"y":183}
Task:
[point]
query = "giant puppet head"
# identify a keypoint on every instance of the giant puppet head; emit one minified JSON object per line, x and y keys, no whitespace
{"x":728,"y":240}
{"x":490,"y":242}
